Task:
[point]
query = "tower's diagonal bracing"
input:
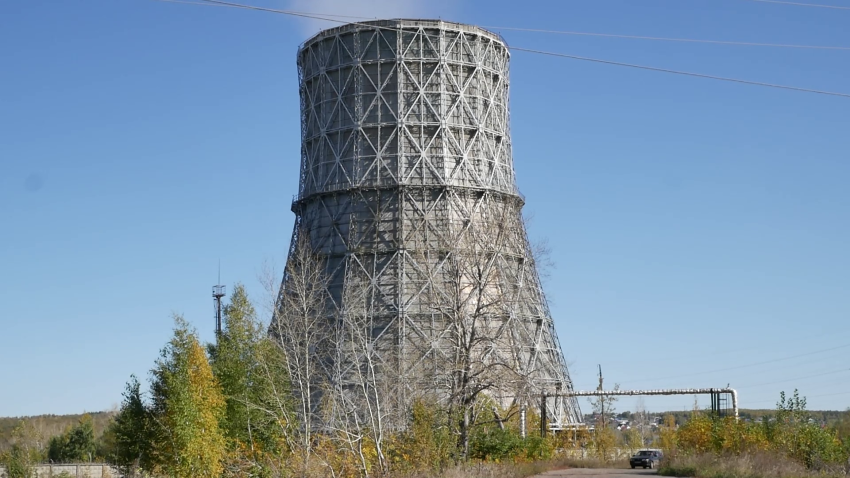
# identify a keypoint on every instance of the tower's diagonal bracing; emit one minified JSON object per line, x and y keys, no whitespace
{"x":408,"y":203}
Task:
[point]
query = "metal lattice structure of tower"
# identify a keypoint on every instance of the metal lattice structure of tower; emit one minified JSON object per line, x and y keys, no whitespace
{"x":408,"y":199}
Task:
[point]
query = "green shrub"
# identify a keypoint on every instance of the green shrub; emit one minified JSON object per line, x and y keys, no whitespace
{"x":496,"y":444}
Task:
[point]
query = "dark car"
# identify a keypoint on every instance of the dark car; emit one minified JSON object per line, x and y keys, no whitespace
{"x":646,"y":458}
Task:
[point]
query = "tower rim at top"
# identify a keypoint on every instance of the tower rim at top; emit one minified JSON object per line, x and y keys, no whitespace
{"x":405,"y":23}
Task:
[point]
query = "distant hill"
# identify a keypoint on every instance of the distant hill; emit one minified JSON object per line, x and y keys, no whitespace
{"x":50,"y":425}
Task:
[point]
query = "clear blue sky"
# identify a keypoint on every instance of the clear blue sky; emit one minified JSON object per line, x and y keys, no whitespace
{"x":696,"y":225}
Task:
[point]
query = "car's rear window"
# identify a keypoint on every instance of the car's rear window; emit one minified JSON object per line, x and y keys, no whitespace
{"x":644,"y":453}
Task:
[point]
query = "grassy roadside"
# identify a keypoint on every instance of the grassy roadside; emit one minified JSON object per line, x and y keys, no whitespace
{"x":746,"y":465}
{"x":514,"y":470}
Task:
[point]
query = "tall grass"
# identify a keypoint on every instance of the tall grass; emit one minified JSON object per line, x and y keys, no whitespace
{"x":745,"y":465}
{"x":513,"y":470}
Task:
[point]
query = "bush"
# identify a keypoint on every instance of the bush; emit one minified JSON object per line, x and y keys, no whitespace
{"x":496,"y":444}
{"x":18,"y":462}
{"x":77,"y":444}
{"x":787,"y":444}
{"x":426,"y":445}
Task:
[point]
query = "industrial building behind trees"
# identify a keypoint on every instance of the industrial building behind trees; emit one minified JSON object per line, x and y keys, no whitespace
{"x":410,"y":274}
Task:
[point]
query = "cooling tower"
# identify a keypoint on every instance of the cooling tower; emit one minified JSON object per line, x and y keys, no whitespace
{"x":409,"y":204}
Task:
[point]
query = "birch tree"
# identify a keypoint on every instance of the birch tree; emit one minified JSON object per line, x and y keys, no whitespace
{"x":301,"y":327}
{"x":474,"y":301}
{"x":358,"y":392}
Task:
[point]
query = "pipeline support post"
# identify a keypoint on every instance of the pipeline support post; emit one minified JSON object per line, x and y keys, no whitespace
{"x":543,"y":416}
{"x":677,"y":391}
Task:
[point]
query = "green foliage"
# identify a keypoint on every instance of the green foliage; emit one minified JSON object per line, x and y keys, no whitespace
{"x":764,"y":464}
{"x":18,"y":462}
{"x":187,"y":407}
{"x":496,"y":444}
{"x":48,"y":426}
{"x":539,"y":448}
{"x":250,"y":369}
{"x":801,"y":438}
{"x":603,"y":442}
{"x":791,"y":433}
{"x":77,"y":444}
{"x":24,"y":451}
{"x":492,"y":443}
{"x":631,"y":439}
{"x":130,"y":432}
{"x":680,"y":470}
{"x":427,"y":444}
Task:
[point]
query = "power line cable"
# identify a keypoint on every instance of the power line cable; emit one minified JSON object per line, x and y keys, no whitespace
{"x":742,"y":366}
{"x":560,"y":55}
{"x":798,"y":4}
{"x":668,"y":39}
{"x":204,"y":3}
{"x":801,"y":378}
{"x":186,"y":2}
{"x":805,"y":396}
{"x":315,"y":16}
{"x":737,"y":376}
{"x":328,"y":17}
{"x":731,"y":351}
{"x":685,"y":73}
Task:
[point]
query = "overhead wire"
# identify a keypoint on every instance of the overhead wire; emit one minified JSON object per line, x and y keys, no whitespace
{"x":742,"y":366}
{"x":743,"y":374}
{"x":684,"y":73}
{"x":669,"y":39}
{"x":187,"y":2}
{"x":541,"y":52}
{"x":799,"y":4}
{"x":315,"y":16}
{"x":737,"y":349}
{"x":833,"y":372}
{"x":328,"y":17}
{"x":740,"y":372}
{"x":805,"y":396}
{"x":235,"y":5}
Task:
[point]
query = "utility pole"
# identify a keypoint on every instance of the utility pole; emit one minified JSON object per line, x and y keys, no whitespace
{"x":601,"y":397}
{"x":543,"y":415}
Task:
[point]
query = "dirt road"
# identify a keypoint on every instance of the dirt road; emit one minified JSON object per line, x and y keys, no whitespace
{"x":597,"y":473}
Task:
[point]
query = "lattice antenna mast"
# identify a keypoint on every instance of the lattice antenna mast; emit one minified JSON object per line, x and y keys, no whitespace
{"x":218,"y":291}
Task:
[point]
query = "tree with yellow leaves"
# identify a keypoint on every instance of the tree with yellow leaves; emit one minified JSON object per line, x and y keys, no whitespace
{"x":187,"y":406}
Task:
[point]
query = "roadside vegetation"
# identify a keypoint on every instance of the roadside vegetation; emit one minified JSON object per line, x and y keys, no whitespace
{"x":790,"y":443}
{"x":243,"y":407}
{"x":232,"y":409}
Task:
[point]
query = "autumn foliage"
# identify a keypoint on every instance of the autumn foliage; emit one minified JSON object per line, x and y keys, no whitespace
{"x":788,"y":442}
{"x":234,"y":409}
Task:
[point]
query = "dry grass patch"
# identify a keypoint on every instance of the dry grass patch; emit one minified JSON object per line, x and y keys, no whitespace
{"x":746,"y":465}
{"x":513,"y":470}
